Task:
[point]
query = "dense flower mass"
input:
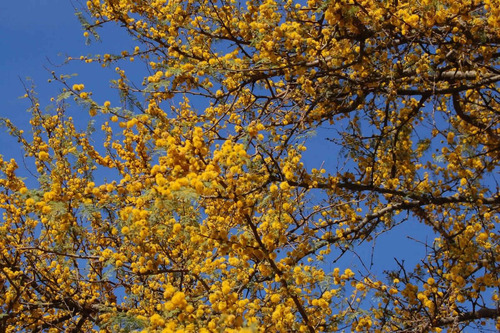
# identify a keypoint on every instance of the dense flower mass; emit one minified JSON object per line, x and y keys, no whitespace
{"x":214,"y":217}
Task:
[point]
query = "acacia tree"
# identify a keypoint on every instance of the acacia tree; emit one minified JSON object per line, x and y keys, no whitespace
{"x":212,"y":221}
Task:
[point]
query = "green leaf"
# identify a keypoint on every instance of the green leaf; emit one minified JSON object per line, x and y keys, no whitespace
{"x":439,"y":159}
{"x":155,"y":86}
{"x":67,"y":76}
{"x":64,"y":95}
{"x":125,"y":322}
{"x":424,"y":144}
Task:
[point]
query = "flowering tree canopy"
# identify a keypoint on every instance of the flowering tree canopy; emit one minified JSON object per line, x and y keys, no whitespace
{"x":212,"y":217}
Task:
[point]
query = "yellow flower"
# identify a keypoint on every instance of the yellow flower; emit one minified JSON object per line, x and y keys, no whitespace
{"x":450,"y":137}
{"x":179,"y":300}
{"x":78,"y":87}
{"x":177,"y":227}
{"x":44,"y":156}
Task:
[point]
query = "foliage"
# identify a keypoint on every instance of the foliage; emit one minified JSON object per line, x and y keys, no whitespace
{"x":213,"y":219}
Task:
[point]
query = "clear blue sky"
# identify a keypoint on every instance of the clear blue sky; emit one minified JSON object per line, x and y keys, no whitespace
{"x":35,"y":37}
{"x":31,"y":32}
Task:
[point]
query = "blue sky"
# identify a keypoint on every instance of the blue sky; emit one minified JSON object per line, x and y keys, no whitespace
{"x":35,"y":38}
{"x":32,"y":31}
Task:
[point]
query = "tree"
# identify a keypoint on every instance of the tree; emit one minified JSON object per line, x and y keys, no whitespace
{"x":210,"y":220}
